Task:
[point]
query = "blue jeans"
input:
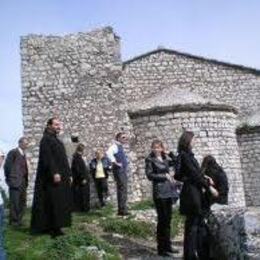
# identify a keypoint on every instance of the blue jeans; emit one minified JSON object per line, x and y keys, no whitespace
{"x":2,"y":250}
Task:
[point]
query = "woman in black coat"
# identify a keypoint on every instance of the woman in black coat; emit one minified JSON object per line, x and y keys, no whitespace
{"x":157,"y":169}
{"x":191,"y":197}
{"x":81,"y":181}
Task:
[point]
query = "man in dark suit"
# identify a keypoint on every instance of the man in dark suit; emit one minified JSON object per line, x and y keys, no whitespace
{"x":16,"y":175}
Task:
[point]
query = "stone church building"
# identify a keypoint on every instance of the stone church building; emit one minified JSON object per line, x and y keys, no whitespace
{"x":82,"y":79}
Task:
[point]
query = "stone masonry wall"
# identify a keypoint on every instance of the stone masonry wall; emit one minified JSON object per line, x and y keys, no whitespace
{"x":164,"y":69}
{"x":249,"y":144}
{"x":76,"y":78}
{"x":215,"y":132}
{"x":81,"y":78}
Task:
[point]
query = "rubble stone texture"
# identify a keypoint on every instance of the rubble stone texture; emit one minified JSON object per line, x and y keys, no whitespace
{"x":249,"y":146}
{"x":82,"y":79}
{"x":235,"y":233}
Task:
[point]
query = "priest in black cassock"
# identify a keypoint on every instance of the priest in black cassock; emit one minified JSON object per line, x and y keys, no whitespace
{"x":52,"y":202}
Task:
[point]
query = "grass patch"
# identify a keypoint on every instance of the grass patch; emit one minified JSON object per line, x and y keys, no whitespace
{"x":93,"y":215}
{"x":176,"y":223}
{"x":74,"y":246}
{"x":21,"y":245}
{"x":128,"y":227}
{"x":142,"y":205}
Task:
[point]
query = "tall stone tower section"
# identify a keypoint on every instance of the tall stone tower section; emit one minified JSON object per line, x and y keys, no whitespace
{"x":74,"y":77}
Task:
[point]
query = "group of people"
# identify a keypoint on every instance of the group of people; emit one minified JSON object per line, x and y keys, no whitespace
{"x":201,"y":187}
{"x":61,"y":188}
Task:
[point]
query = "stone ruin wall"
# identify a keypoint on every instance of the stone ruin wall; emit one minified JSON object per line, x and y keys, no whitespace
{"x":249,"y":143}
{"x":80,"y":78}
{"x":215,"y":134}
{"x":74,"y":77}
{"x":162,"y":70}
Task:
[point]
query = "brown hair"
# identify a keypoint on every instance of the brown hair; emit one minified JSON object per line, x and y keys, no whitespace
{"x":185,"y":141}
{"x":50,"y":121}
{"x":157,"y":141}
{"x":209,"y":163}
{"x":118,"y":135}
{"x":22,"y":139}
{"x":80,"y":148}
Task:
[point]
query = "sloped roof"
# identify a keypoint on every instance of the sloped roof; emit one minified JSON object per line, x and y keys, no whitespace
{"x":177,"y":100}
{"x":196,"y":57}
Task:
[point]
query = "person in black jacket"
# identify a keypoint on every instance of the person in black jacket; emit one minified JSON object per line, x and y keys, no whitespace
{"x":212,"y":169}
{"x":191,"y":197}
{"x":157,"y":169}
{"x":99,"y":168}
{"x":81,"y":181}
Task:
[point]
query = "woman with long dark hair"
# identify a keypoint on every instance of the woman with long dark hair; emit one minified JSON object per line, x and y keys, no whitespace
{"x":210,"y":168}
{"x":157,"y":169}
{"x":191,"y":197}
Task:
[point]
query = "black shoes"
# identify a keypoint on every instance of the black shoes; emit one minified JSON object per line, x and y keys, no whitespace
{"x":123,"y":214}
{"x":168,"y":253}
{"x":173,"y":251}
{"x":165,"y":254}
{"x":56,"y":233}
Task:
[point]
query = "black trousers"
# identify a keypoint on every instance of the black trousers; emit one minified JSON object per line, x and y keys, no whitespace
{"x":121,"y":185}
{"x":81,"y":197}
{"x":164,"y":214}
{"x":102,"y":189}
{"x":17,"y":203}
{"x":196,"y":238}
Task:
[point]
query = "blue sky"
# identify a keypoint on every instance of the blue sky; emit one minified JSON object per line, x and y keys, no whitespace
{"x":219,"y":29}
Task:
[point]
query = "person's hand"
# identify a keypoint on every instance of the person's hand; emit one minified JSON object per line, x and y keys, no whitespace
{"x":214,"y":192}
{"x":172,"y":173}
{"x":84,"y":182}
{"x":168,"y":177}
{"x":118,"y":164}
{"x":56,"y":178}
{"x":211,"y":182}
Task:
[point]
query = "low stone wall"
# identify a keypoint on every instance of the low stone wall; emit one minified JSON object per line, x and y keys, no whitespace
{"x":235,"y":233}
{"x":249,"y":146}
